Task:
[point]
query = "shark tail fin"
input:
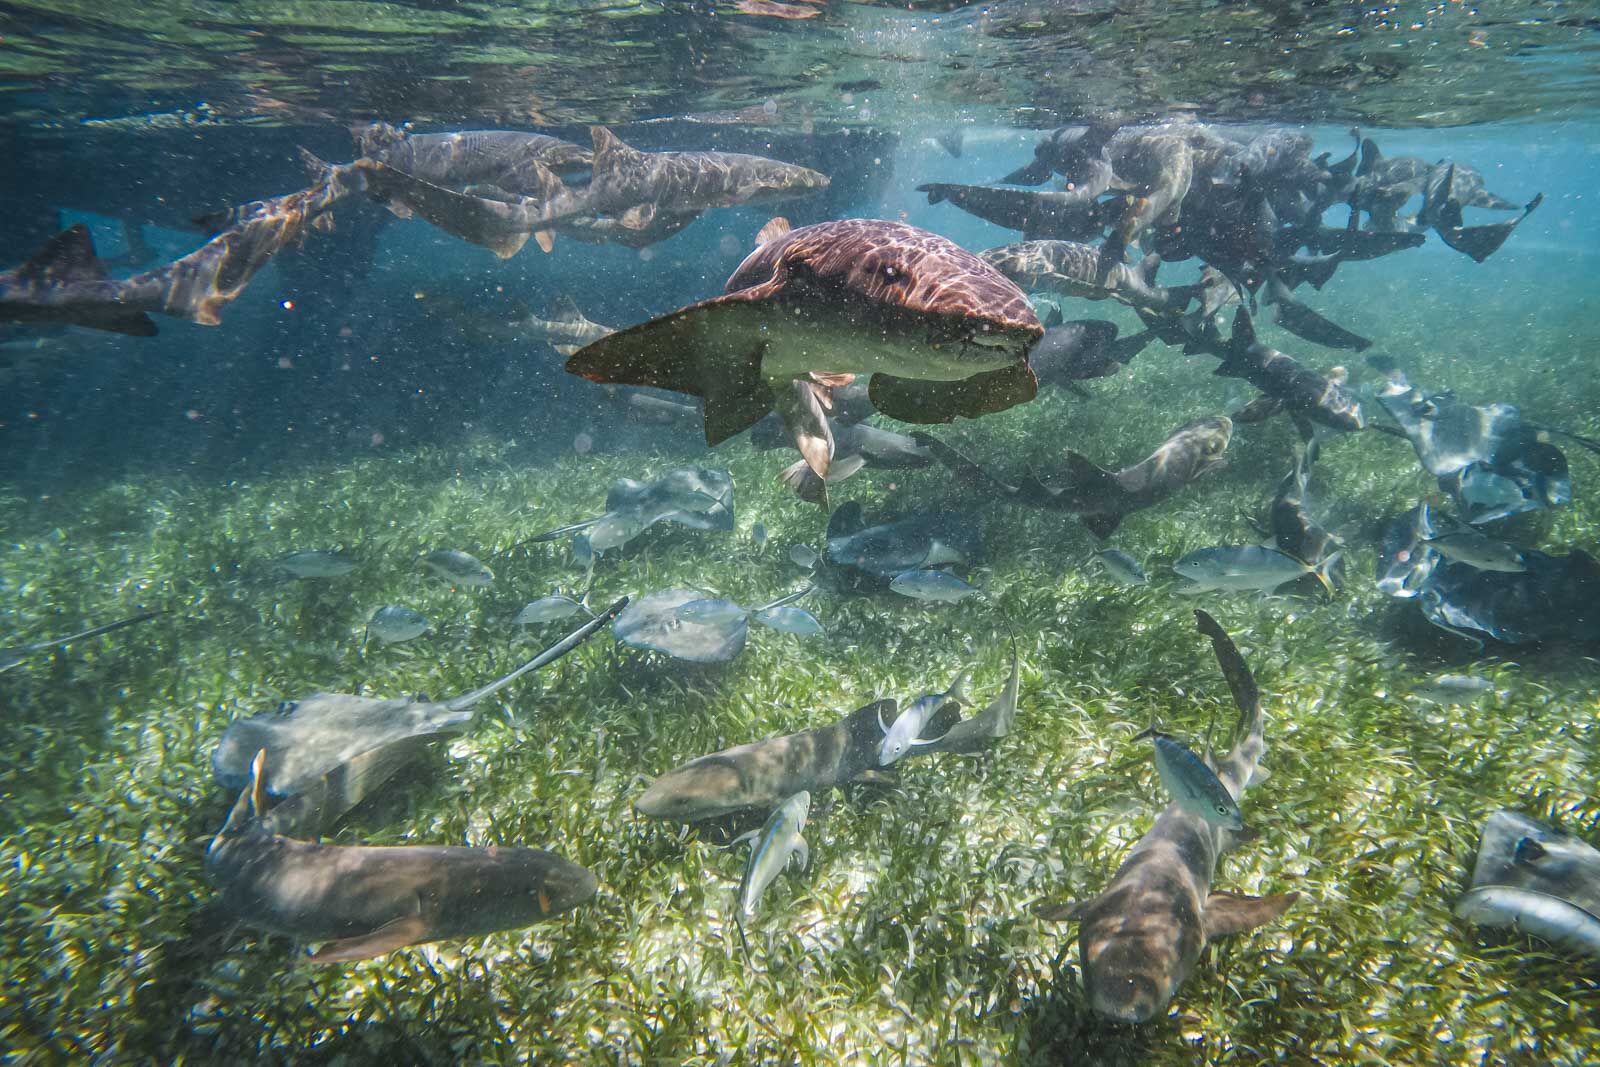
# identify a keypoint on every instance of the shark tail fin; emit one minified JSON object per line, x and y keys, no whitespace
{"x":799,"y":477}
{"x":249,"y":806}
{"x":564,"y":309}
{"x":318,"y":168}
{"x":1371,"y":156}
{"x":846,"y":520}
{"x":678,"y":353}
{"x":1481,"y":242}
{"x":775,"y":228}
{"x":69,"y":258}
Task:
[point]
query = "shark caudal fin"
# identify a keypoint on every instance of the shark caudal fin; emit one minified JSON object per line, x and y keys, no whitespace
{"x":565,"y":309}
{"x":1370,"y":158}
{"x":911,"y":400}
{"x":1481,"y":242}
{"x":711,"y":350}
{"x":66,"y":260}
{"x":845,"y":521}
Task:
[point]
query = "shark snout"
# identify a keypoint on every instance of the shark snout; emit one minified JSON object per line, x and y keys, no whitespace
{"x":566,"y":886}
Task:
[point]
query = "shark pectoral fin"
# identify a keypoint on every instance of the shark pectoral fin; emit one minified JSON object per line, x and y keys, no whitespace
{"x":387,"y":938}
{"x":1059,"y":911}
{"x":942,"y":722}
{"x":910,"y":400}
{"x":546,"y":240}
{"x":873,"y":776}
{"x":638,"y":217}
{"x":1229,"y":913}
{"x":775,"y":228}
{"x":801,"y":853}
{"x":1102,"y":526}
{"x":739,"y":400}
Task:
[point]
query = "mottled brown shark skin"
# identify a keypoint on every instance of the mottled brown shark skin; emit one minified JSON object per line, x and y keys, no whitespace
{"x":942,"y":333}
{"x":1303,"y":391}
{"x":1102,"y":498}
{"x":471,"y":157}
{"x":1082,"y":270}
{"x":1141,"y":938}
{"x":65,"y":284}
{"x":762,"y":774}
{"x":361,"y":901}
{"x":632,"y":186}
{"x":1068,"y":216}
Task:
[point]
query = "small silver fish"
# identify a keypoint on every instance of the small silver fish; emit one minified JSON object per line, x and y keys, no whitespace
{"x":582,"y":550}
{"x":1475,"y":550}
{"x":315,"y":563}
{"x":1242,"y":568}
{"x":458,"y":567}
{"x":906,"y":731}
{"x":758,"y":534}
{"x":392,"y":624}
{"x":1454,"y":689}
{"x":547,"y":609}
{"x":803,"y":556}
{"x":710,"y":612}
{"x":776,"y":843}
{"x":934,"y":585}
{"x":784,"y":619}
{"x":1121,"y":567}
{"x":1192,"y":784}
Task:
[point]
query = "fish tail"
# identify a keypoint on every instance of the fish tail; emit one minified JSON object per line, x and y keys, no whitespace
{"x":738,"y":924}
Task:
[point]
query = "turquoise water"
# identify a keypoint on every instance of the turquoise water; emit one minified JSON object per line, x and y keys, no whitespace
{"x":375,"y":390}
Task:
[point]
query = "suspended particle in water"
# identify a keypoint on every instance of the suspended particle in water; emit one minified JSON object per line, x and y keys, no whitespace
{"x":729,"y":245}
{"x":582,"y":443}
{"x":770,"y":108}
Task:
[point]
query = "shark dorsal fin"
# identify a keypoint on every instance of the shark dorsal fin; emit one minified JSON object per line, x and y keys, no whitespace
{"x":775,"y":228}
{"x":565,"y":309}
{"x":609,"y":149}
{"x":1244,"y":330}
{"x":1370,"y":158}
{"x":69,"y":256}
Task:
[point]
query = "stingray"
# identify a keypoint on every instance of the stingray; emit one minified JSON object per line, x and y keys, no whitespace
{"x":653,"y":622}
{"x":942,"y":333}
{"x":306,"y":739}
{"x":1535,"y":879}
{"x":887,"y":549}
{"x":699,"y":498}
{"x":1555,"y":598}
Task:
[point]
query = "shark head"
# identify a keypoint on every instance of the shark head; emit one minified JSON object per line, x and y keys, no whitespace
{"x":703,"y":789}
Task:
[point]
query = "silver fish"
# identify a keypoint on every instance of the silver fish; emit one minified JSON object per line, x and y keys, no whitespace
{"x":776,"y":843}
{"x":1468,"y":546}
{"x":1454,"y":689}
{"x":934,"y":585}
{"x":1192,"y":784}
{"x":546,"y":609}
{"x":315,"y":563}
{"x":1121,"y":567}
{"x":906,"y":731}
{"x":456,"y":566}
{"x":788,"y":620}
{"x":392,"y":624}
{"x":1240,"y":568}
{"x":803,"y":556}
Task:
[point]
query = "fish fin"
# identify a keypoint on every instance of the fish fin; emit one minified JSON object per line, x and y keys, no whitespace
{"x":1481,"y":242}
{"x":958,"y":689}
{"x":776,"y":227}
{"x":1036,"y":173}
{"x":1230,"y":913}
{"x":1370,"y":158}
{"x":1102,"y":526}
{"x":1146,"y":270}
{"x":609,"y":150}
{"x":68,"y":258}
{"x":910,"y":400}
{"x":960,"y":465}
{"x":638,"y":217}
{"x":845,"y":467}
{"x":873,"y":776}
{"x":801,"y":853}
{"x":935,"y":190}
{"x":748,"y":835}
{"x":941,"y":723}
{"x":704,"y":350}
{"x":1053,"y":317}
{"x":1244,"y":330}
{"x":846,"y":521}
{"x":799,"y":477}
{"x":545,"y":239}
{"x":1060,"y":911}
{"x":566,"y":350}
{"x":881,"y":724}
{"x":801,"y":406}
{"x":565,"y":309}
{"x":407,"y":930}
